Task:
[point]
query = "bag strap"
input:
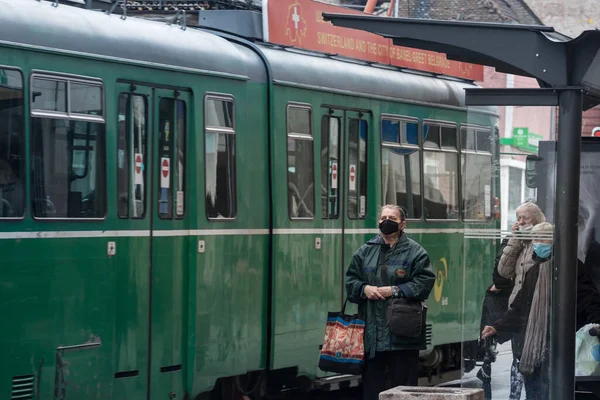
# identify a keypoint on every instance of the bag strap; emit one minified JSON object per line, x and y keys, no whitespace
{"x":383,"y":270}
{"x":344,"y":306}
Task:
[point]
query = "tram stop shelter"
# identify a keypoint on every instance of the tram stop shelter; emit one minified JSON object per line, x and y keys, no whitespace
{"x":568,"y":73}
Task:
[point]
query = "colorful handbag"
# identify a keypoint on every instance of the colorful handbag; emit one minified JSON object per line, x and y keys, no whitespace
{"x":343,"y":349}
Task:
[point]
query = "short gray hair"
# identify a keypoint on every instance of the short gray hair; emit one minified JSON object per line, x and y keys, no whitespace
{"x":537,"y":214}
{"x":394,"y":207}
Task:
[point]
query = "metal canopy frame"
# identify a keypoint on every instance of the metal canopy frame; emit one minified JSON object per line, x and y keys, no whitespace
{"x":534,"y":51}
{"x":512,"y":97}
{"x":568,"y":72}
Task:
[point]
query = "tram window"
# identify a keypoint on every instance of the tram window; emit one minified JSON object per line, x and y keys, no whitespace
{"x":132,"y":156}
{"x":166,"y":126}
{"x":401,"y":166}
{"x":85,"y":99}
{"x":390,"y":131}
{"x":357,"y":168}
{"x":220,"y":114}
{"x":220,"y":148}
{"x":476,"y":173}
{"x":68,"y":162}
{"x":432,"y":136}
{"x":67,"y":168}
{"x":300,"y":153}
{"x":49,"y":95}
{"x":467,"y":139}
{"x":440,"y":173}
{"x":12,"y":145}
{"x":171,"y":152}
{"x":123,"y":158}
{"x":483,"y":141}
{"x":449,"y":139}
{"x":180,"y":153}
{"x":299,"y":121}
{"x":330,"y":167}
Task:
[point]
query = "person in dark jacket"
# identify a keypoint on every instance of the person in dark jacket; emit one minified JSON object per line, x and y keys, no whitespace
{"x":410,"y":274}
{"x":528,"y":314}
{"x":495,"y":304}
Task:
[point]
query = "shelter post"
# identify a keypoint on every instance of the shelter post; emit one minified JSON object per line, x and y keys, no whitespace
{"x":564,"y":301}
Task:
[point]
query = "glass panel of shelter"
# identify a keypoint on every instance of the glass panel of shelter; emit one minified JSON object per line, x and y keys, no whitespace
{"x":503,"y":274}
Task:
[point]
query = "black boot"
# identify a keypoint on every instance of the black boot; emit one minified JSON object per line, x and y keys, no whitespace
{"x":485,"y":375}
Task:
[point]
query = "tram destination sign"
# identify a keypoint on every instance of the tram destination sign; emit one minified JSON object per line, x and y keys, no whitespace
{"x":300,"y":23}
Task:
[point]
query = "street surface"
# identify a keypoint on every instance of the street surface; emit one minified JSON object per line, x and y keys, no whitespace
{"x":500,"y":375}
{"x":500,"y":381}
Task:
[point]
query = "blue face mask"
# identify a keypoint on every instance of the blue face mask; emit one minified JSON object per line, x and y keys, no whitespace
{"x":543,"y":250}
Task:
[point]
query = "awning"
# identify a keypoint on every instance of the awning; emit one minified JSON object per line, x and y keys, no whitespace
{"x":536,"y":51}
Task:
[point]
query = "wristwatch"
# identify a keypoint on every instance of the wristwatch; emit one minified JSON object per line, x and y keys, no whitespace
{"x":395,"y":291}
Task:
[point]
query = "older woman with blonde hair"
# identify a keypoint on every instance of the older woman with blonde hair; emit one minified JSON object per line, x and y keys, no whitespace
{"x":516,"y":257}
{"x":516,"y":260}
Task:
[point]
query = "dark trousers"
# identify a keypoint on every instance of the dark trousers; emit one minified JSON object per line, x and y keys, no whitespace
{"x":389,"y":369}
{"x":537,"y":384}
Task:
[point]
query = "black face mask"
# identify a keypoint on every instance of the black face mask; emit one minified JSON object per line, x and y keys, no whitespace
{"x":387,"y":227}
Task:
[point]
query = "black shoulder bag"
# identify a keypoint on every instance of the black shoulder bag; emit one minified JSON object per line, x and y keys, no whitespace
{"x":405,"y":317}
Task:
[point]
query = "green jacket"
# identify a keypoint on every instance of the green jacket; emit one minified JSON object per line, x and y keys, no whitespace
{"x":409,"y":268}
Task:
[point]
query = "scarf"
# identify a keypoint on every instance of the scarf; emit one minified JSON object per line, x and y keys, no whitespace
{"x":534,"y":348}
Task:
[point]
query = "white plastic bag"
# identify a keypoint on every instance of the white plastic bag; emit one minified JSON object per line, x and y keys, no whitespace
{"x":587,"y":352}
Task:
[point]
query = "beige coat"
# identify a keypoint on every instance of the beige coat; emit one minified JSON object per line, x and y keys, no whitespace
{"x":516,"y":259}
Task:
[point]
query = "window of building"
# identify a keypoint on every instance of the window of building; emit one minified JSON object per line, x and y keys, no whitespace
{"x":515,"y":189}
{"x":220,"y":148}
{"x":357,"y":168}
{"x":400,"y":165}
{"x":518,"y":192}
{"x":330,"y":167}
{"x":132,"y":155}
{"x":301,"y":194}
{"x":68,"y":162}
{"x":440,"y":161}
{"x":12,"y":145}
{"x":476,"y":163}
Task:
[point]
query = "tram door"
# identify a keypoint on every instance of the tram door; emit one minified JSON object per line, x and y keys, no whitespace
{"x":155,"y":122}
{"x":357,"y":229}
{"x":343,"y":157}
{"x":170,"y":245}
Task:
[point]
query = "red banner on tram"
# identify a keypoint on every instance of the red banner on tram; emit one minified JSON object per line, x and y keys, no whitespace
{"x":300,"y":23}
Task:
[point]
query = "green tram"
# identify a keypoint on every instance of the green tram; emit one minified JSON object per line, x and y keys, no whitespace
{"x":178,"y":207}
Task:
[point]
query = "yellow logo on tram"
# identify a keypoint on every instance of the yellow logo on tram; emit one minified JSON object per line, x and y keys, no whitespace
{"x":441,"y":272}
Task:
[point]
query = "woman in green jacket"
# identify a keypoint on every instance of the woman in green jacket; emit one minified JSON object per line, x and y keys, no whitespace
{"x":410,"y":275}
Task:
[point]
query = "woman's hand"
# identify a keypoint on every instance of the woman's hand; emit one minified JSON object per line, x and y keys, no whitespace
{"x":372,"y":293}
{"x":385,"y":291}
{"x":515,"y":227}
{"x":488,"y":331}
{"x":494,"y":289}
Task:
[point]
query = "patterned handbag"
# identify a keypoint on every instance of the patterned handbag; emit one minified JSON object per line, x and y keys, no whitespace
{"x":343,"y":349}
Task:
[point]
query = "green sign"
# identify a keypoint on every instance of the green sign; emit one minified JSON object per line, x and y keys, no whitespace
{"x":523,"y":139}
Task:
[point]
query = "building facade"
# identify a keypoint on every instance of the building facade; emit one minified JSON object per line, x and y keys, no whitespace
{"x":572,"y":17}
